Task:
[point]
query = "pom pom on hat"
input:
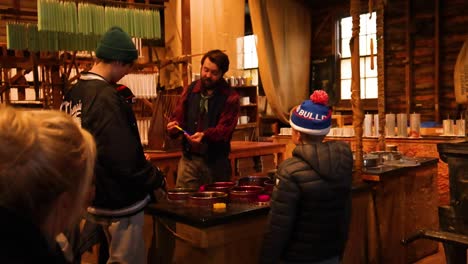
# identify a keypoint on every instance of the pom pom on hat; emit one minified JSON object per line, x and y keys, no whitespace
{"x":117,"y":45}
{"x":319,"y":97}
{"x":312,"y":117}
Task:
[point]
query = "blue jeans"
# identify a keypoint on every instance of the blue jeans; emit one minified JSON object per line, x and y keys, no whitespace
{"x":125,"y":238}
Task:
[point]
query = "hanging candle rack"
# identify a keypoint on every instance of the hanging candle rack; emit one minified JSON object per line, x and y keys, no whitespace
{"x":78,"y":25}
{"x":86,"y":18}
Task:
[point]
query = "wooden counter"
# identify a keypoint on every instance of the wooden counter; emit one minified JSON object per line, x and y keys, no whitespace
{"x":411,"y":147}
{"x":168,"y":161}
{"x":391,"y":204}
{"x":405,"y":201}
{"x":176,"y":233}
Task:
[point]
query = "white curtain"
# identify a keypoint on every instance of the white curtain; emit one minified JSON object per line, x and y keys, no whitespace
{"x":283,"y":29}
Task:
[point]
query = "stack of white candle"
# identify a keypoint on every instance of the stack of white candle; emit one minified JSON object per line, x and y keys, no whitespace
{"x":376,"y":126}
{"x":390,"y":125}
{"x":415,"y":125}
{"x":402,"y":125}
{"x":143,"y":85}
{"x":143,"y":128}
{"x":461,"y":127}
{"x":367,"y":125}
{"x":448,"y":127}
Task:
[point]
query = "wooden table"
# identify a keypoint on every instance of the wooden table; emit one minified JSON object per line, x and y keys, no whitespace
{"x":176,"y":233}
{"x":168,"y":161}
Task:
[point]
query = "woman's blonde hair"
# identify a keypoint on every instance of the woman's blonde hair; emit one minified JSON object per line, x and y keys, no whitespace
{"x":43,"y":154}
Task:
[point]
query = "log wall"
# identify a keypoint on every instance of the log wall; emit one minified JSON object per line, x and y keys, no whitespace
{"x":422,"y":40}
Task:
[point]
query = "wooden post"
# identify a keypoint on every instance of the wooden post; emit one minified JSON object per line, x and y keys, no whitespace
{"x":381,"y":73}
{"x":358,"y":115}
{"x":437,"y":61}
{"x":409,"y":60}
{"x":186,"y":39}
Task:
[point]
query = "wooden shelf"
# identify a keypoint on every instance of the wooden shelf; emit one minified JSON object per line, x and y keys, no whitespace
{"x":249,"y":130}
{"x":245,"y":87}
{"x":249,"y":105}
{"x":248,"y":125}
{"x":31,"y":102}
{"x":27,"y":103}
{"x":268,"y":117}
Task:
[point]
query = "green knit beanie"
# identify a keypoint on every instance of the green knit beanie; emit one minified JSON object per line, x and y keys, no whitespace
{"x":117,"y":45}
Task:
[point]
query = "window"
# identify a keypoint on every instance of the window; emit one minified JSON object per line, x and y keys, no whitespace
{"x":247,"y":60}
{"x":247,"y":52}
{"x":368,"y":30}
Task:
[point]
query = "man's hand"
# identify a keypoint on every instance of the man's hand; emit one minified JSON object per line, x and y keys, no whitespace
{"x":196,"y":138}
{"x":172,"y":127}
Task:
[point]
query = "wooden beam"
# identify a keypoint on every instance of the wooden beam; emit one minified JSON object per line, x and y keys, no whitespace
{"x":437,"y":61}
{"x":381,"y":73}
{"x":126,"y":3}
{"x":356,"y":105}
{"x":409,"y":59}
{"x":17,"y":12}
{"x":186,"y":37}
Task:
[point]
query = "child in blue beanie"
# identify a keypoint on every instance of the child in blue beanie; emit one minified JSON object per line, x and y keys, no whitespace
{"x":311,"y":202}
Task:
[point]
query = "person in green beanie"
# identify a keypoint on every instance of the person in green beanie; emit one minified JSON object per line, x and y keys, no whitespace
{"x":125,"y":180}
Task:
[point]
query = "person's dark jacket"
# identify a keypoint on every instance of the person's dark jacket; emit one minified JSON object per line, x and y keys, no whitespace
{"x":21,"y":242}
{"x":311,"y":205}
{"x":123,"y":175}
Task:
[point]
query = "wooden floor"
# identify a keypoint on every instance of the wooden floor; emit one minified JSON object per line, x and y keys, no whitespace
{"x":438,"y":258}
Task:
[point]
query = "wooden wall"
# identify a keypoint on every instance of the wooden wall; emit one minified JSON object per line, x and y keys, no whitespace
{"x":422,"y":40}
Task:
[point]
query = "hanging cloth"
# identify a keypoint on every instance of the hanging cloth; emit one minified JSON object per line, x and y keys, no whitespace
{"x":460,"y":75}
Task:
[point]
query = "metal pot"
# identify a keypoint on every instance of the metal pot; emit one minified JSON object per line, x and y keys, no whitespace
{"x":207,"y":198}
{"x":371,"y":161}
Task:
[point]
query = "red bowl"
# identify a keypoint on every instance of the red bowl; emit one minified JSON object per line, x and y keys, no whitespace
{"x":207,"y":198}
{"x":218,"y":187}
{"x":245,"y":194}
{"x":253,"y":181}
{"x":179,"y":194}
{"x":268,"y":186}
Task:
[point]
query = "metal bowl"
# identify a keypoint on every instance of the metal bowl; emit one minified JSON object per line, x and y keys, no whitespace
{"x":179,"y":194}
{"x":218,"y":187}
{"x":245,"y":194}
{"x":207,"y":198}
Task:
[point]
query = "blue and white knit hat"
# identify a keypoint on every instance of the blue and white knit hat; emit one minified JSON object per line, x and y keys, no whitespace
{"x":312,"y":117}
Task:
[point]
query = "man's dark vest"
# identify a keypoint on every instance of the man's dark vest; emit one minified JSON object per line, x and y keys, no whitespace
{"x":209,"y":150}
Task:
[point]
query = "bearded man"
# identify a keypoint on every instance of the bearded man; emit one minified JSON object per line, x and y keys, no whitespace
{"x":206,"y":116}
